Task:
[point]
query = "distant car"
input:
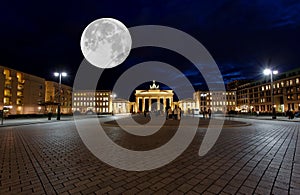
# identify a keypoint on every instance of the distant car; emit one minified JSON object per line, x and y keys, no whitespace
{"x":89,"y":112}
{"x":297,"y":114}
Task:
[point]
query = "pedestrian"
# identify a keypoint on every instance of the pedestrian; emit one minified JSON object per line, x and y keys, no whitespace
{"x":175,"y":113}
{"x":166,"y":112}
{"x":170,"y":113}
{"x":292,"y":114}
{"x":209,"y":113}
{"x":145,"y":113}
{"x":178,"y":113}
{"x":288,"y":114}
{"x":49,"y":115}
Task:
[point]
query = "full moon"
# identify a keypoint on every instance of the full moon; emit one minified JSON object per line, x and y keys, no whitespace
{"x":105,"y":43}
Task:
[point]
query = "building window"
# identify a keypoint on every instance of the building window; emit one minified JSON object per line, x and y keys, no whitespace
{"x":6,"y":100}
{"x":7,"y":92}
{"x":297,"y":80}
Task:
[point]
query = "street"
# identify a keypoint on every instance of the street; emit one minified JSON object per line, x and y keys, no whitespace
{"x":261,"y":157}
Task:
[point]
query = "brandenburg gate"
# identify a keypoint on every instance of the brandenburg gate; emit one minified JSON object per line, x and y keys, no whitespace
{"x":153,"y":99}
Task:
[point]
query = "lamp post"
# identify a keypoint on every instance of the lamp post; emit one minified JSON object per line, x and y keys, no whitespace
{"x":113,"y":96}
{"x":272,"y":72}
{"x":59,"y":74}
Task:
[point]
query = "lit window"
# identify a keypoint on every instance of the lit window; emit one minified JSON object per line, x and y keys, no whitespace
{"x":262,"y":88}
{"x":6,"y":100}
{"x":297,"y":80}
{"x":7,"y":92}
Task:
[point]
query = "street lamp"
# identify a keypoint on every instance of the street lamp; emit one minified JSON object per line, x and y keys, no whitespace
{"x":113,"y":96}
{"x":59,"y":74}
{"x":272,"y":72}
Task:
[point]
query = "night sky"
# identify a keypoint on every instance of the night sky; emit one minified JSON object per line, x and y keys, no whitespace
{"x":243,"y":37}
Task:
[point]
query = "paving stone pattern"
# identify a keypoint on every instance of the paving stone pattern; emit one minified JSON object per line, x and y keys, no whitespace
{"x":263,"y":158}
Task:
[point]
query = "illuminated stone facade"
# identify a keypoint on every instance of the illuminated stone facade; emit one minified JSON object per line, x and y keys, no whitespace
{"x":21,"y":93}
{"x":120,"y":106}
{"x":187,"y":106}
{"x":256,"y":96}
{"x":204,"y":101}
{"x":51,"y":97}
{"x":99,"y":101}
{"x":153,"y":99}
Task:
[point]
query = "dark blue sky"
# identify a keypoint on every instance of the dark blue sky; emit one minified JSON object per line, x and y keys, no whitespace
{"x":242,"y":36}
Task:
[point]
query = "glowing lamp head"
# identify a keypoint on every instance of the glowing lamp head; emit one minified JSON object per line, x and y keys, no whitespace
{"x":64,"y":74}
{"x":275,"y":71}
{"x":267,"y":71}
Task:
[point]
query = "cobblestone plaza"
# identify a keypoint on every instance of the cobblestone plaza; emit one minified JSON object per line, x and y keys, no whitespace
{"x":250,"y":157}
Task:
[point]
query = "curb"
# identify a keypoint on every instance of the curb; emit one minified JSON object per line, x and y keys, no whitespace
{"x":268,"y":119}
{"x":32,"y":123}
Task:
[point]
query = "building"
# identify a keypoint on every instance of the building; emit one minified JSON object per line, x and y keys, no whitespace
{"x":256,"y":96}
{"x":121,"y":106}
{"x":52,"y":95}
{"x":188,"y":106}
{"x":99,"y":101}
{"x":223,"y":102}
{"x":21,"y":93}
{"x":153,"y":99}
